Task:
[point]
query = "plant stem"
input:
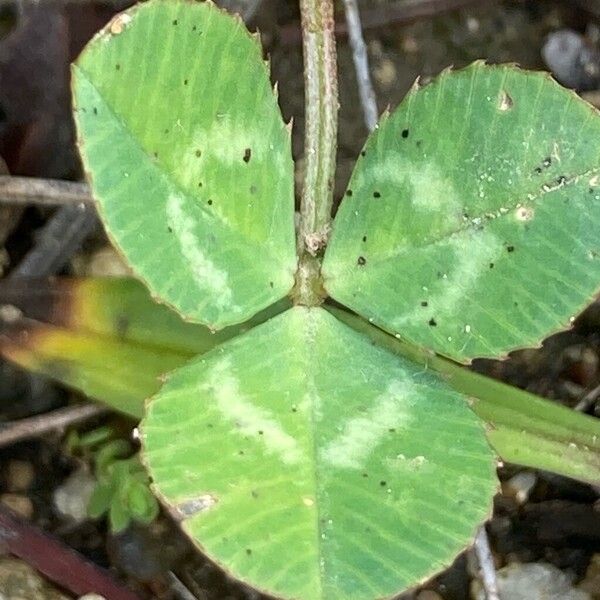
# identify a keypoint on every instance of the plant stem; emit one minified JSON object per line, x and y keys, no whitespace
{"x":320,"y":138}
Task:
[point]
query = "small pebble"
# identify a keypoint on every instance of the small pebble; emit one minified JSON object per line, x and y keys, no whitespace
{"x":520,"y":486}
{"x":19,"y":475}
{"x":19,"y":504}
{"x":385,"y":73}
{"x":106,"y":262}
{"x":591,"y":581}
{"x":428,"y":595}
{"x":92,"y":597}
{"x":533,"y":581}
{"x":573,"y":60}
{"x":19,"y":581}
{"x":72,"y":497}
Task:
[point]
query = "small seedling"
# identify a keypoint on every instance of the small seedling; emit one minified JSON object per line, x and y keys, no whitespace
{"x":302,"y":457}
{"x":122,"y":489}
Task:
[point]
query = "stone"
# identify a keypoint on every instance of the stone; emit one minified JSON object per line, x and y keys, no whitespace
{"x":72,"y":497}
{"x":19,"y":581}
{"x":428,"y":595}
{"x":533,"y":581}
{"x":591,"y":581}
{"x":19,"y":504}
{"x":19,"y":475}
{"x":520,"y":486}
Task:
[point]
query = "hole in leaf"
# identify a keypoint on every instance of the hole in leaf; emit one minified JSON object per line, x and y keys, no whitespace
{"x":506,"y":102}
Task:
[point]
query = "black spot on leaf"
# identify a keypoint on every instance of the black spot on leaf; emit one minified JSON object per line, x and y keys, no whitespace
{"x":361,"y":261}
{"x":247,"y":155}
{"x":432,"y":322}
{"x":405,"y":133}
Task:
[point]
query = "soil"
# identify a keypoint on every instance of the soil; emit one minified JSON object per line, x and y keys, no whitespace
{"x":554,"y":520}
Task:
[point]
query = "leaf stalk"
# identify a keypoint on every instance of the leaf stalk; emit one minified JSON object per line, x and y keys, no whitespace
{"x":320,"y":137}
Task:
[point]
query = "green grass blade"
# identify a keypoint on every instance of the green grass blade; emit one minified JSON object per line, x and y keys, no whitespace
{"x":112,"y":371}
{"x":119,"y":308}
{"x":104,"y":336}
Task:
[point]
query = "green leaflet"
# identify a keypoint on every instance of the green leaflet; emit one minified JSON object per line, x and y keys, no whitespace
{"x":470,"y":224}
{"x":189,"y":158}
{"x":306,"y":461}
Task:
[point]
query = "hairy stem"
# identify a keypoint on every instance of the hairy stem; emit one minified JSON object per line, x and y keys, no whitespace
{"x":321,"y":108}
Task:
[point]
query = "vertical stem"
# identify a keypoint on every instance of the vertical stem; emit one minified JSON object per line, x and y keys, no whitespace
{"x":321,"y":107}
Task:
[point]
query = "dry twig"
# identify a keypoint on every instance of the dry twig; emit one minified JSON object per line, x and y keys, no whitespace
{"x":361,"y":64}
{"x":61,"y":418}
{"x":44,"y":192}
{"x":486,"y":564}
{"x":58,"y":562}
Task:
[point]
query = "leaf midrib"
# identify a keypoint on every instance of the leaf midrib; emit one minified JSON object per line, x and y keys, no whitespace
{"x":309,"y":365}
{"x":469,"y":226}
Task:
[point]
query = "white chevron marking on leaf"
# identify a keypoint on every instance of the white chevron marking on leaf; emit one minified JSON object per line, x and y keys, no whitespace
{"x":249,"y":419}
{"x":207,"y":275}
{"x":362,"y":434}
